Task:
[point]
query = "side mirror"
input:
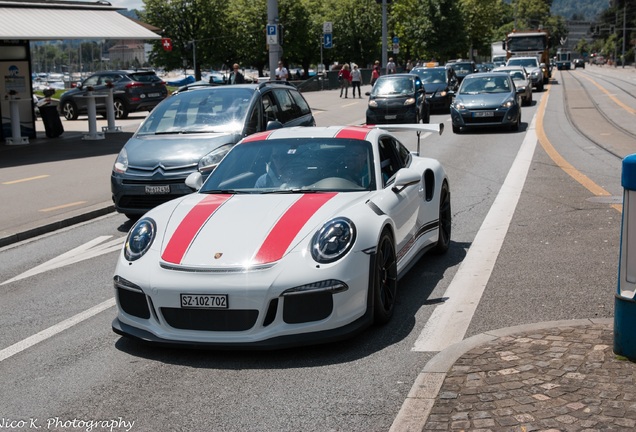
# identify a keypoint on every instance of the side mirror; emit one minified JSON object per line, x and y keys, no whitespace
{"x":194,"y":180}
{"x":405,"y":177}
{"x":273,"y":124}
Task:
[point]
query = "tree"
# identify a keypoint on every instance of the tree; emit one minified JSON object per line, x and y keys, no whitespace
{"x":481,"y":18}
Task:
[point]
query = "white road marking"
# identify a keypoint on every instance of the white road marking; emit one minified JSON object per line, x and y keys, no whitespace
{"x":53,"y":330}
{"x":449,"y":321}
{"x":86,"y":251}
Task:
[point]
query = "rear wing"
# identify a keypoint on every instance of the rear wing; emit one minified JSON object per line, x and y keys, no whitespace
{"x":416,"y":127}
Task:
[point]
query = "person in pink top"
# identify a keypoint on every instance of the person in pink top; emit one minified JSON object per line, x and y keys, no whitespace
{"x":344,"y":76}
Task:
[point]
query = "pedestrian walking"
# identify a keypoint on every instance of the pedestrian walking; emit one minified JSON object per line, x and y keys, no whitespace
{"x":236,"y":77}
{"x":356,"y":81}
{"x":344,"y":76}
{"x":375,"y":73}
{"x":391,"y":68}
{"x":281,"y":72}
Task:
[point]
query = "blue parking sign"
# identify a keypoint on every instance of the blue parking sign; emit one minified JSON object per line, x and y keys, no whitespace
{"x":272,"y":34}
{"x":328,"y":40}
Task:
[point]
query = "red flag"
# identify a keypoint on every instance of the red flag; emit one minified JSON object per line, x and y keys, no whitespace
{"x":167,"y":44}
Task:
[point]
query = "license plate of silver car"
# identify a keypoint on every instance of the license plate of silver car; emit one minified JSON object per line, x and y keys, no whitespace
{"x":484,"y":114}
{"x":158,"y":190}
{"x":204,"y":301}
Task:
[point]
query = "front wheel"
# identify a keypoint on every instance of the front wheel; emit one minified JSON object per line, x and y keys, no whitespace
{"x":384,"y":280}
{"x":69,"y":110}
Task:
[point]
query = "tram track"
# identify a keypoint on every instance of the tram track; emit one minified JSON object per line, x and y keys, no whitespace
{"x":601,"y":115}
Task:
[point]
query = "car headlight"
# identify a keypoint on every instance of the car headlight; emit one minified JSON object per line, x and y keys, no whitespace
{"x":333,"y":240}
{"x":536,"y":74}
{"x":409,"y":101}
{"x":373,"y":104}
{"x":212,"y":159}
{"x":459,"y":105}
{"x":121,"y":164}
{"x":508,"y":103}
{"x":442,"y":93}
{"x":140,"y":239}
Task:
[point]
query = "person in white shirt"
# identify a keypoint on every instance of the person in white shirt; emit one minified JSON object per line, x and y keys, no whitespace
{"x":281,"y":72}
{"x":356,"y":80}
{"x":390,"y":66}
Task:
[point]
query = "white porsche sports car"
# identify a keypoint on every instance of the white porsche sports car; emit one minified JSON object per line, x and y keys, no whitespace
{"x":299,"y":236}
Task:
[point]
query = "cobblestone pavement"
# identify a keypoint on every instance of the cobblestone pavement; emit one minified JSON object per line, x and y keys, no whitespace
{"x":556,"y":379}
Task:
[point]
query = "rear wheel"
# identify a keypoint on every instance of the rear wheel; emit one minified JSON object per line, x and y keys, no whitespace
{"x":121,"y":110}
{"x":384,"y":280}
{"x":445,"y":219}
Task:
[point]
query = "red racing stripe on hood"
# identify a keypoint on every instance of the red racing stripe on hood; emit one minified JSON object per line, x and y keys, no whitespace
{"x":353,"y":133}
{"x":187,"y":230}
{"x":288,"y":226}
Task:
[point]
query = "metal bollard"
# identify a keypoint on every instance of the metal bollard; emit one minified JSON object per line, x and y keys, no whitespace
{"x":624,"y":301}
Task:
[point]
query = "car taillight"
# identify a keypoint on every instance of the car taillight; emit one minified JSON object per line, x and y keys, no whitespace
{"x":134,"y":84}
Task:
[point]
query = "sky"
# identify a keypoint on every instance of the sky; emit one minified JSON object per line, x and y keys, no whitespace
{"x":128,"y":4}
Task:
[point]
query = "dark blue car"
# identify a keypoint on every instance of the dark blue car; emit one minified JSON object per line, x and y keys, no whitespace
{"x":398,"y":98}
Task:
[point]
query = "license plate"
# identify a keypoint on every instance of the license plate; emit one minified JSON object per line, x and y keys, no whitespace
{"x":204,"y":301}
{"x":156,"y":190}
{"x":484,"y":114}
{"x":391,"y":117}
{"x":154,"y":94}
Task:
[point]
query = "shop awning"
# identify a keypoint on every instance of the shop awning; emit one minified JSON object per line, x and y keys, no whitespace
{"x":44,"y":20}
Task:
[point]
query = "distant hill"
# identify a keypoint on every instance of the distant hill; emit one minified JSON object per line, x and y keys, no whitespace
{"x":580,"y":10}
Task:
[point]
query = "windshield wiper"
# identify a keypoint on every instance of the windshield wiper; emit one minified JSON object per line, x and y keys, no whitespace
{"x":289,"y":191}
{"x":223,"y":191}
{"x":184,"y":132}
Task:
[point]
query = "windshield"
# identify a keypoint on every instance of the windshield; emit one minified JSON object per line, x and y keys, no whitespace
{"x":527,"y":43}
{"x":518,"y":75}
{"x":486,"y":84}
{"x":393,"y":87}
{"x":214,"y":109}
{"x":294,"y":165}
{"x":462,"y":68}
{"x":528,"y":62}
{"x":431,"y":76}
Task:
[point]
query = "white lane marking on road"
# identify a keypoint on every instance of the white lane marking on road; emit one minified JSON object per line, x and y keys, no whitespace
{"x":449,"y":321}
{"x":86,"y":251}
{"x":53,"y":330}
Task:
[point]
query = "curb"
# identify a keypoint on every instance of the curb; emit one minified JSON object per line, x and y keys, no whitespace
{"x":418,"y":405}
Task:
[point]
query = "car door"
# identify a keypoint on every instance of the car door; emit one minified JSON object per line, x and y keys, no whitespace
{"x":88,"y":84}
{"x":402,"y":206}
{"x":102,"y":89}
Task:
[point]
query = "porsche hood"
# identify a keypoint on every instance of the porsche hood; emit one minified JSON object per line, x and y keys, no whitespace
{"x":242,"y":231}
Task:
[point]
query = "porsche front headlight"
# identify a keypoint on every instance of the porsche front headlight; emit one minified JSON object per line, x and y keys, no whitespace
{"x":212,"y":159}
{"x":140,"y":239}
{"x":333,"y":240}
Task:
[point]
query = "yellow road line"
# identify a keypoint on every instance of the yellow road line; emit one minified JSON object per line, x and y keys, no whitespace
{"x":63,"y":206}
{"x":25,"y":179}
{"x":612,"y":97}
{"x":581,"y":178}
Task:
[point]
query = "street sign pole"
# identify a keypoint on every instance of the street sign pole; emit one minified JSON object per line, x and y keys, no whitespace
{"x":274,"y":49}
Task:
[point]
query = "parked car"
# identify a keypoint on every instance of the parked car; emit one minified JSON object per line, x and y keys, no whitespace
{"x":192,"y":131}
{"x":533,"y":68}
{"x":462,"y":68}
{"x":522,"y":82}
{"x":312,"y":255}
{"x":579,"y":63}
{"x":437,"y":82}
{"x":138,"y":90}
{"x":398,"y":98}
{"x":486,"y":99}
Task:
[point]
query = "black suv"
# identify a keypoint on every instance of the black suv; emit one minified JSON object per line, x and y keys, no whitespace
{"x":139,"y":90}
{"x":192,"y":130}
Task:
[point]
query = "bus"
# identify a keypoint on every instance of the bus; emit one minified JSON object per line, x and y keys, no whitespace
{"x":530,"y":43}
{"x":563,"y":60}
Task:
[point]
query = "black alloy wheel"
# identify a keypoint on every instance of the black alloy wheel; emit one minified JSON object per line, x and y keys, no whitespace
{"x":445,"y":221}
{"x":384,"y":280}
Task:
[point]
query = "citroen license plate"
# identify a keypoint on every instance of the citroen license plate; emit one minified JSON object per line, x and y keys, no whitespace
{"x":484,"y":114}
{"x":157,"y":190}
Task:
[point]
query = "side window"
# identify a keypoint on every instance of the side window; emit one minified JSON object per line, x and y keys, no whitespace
{"x":286,"y":105}
{"x":404,"y":154}
{"x":270,"y":110}
{"x":389,"y":162}
{"x":103,"y":80}
{"x":301,"y":104}
{"x":91,"y":81}
{"x":252,"y":125}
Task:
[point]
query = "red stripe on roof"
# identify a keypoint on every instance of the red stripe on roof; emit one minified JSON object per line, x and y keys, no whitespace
{"x":289,"y":225}
{"x":187,"y":230}
{"x":260,"y":136}
{"x":353,"y":133}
